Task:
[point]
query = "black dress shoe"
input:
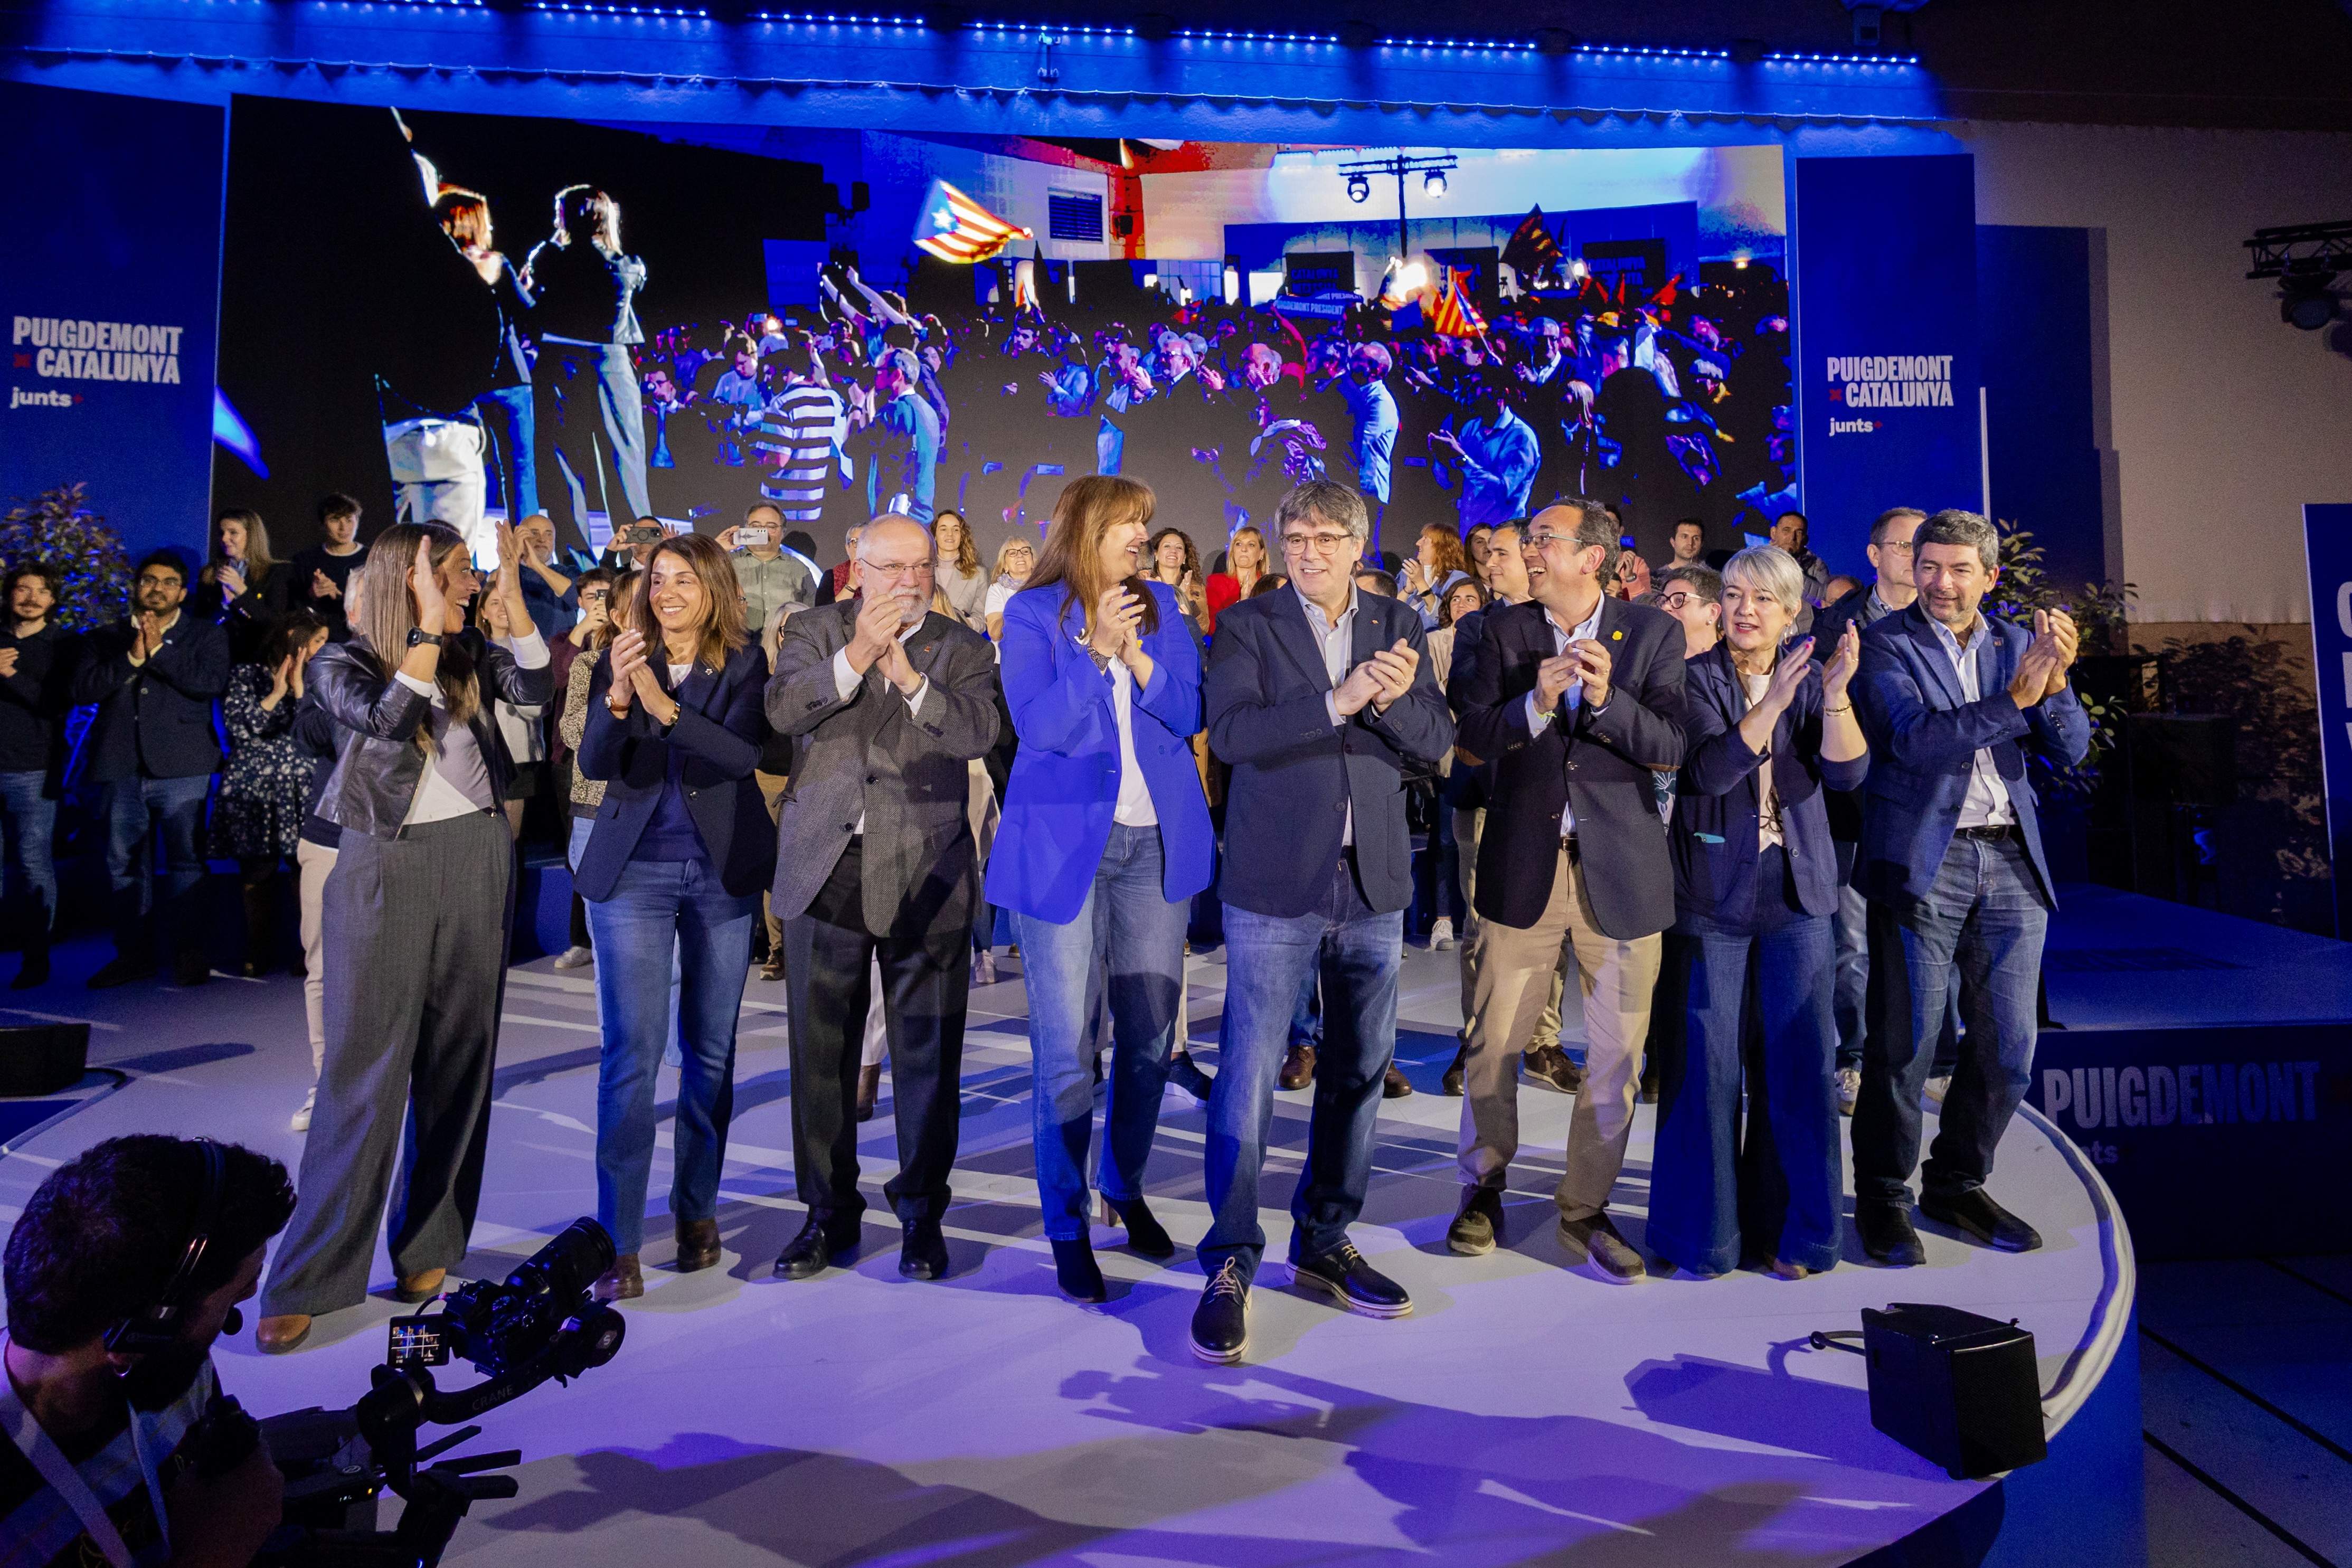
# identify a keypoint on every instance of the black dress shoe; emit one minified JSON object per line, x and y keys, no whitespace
{"x":697,"y":1244}
{"x":1359,"y":1286}
{"x":121,"y":971}
{"x":1480,"y":1226}
{"x":35,"y":972}
{"x":1887,"y":1235}
{"x":1146,"y":1236}
{"x":190,"y":969}
{"x":1975,"y":1212}
{"x":1075,"y":1270}
{"x":820,"y":1241}
{"x":924,"y":1254}
{"x":1221,"y":1322}
{"x":1452,"y":1082}
{"x":1186,"y":1074}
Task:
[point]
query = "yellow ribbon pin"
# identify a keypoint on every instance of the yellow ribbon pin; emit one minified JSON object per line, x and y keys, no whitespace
{"x":1617,"y":637}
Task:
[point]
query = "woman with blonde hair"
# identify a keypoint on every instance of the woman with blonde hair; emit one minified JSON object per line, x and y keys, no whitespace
{"x":961,"y":578}
{"x":1015,"y":559}
{"x":416,"y":918}
{"x":1106,"y":839}
{"x":1245,"y":570}
{"x":682,"y":849}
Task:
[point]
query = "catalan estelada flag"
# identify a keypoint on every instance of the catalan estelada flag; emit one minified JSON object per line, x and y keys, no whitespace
{"x":1531,"y":247}
{"x":954,"y":227}
{"x":1449,"y":311}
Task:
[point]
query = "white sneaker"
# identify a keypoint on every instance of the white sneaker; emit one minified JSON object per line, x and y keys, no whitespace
{"x":984,"y":967}
{"x":1849,"y":1088}
{"x":300,"y":1119}
{"x":1936,"y":1089}
{"x":1440,"y":934}
{"x":576,"y":958}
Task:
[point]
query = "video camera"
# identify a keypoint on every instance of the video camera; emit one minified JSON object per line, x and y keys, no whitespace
{"x":537,"y":1324}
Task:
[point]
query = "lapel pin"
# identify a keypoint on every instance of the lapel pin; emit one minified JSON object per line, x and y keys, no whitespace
{"x":1617,"y":635}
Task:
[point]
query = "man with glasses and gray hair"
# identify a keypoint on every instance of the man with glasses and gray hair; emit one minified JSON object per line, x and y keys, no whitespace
{"x":1951,"y":861}
{"x":1322,"y":698}
{"x":1578,"y":698}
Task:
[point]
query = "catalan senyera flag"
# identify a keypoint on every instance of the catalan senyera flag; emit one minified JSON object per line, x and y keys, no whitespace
{"x":1449,"y":311}
{"x":1531,"y":247}
{"x":954,"y":227}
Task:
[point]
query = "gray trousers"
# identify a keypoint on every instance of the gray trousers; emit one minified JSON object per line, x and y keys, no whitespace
{"x":415,"y":948}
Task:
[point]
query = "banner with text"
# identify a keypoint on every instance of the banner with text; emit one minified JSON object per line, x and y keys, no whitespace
{"x":109,"y":288}
{"x":1886,"y":373}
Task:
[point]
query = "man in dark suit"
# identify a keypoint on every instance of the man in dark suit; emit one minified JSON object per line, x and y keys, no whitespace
{"x":1951,"y":864}
{"x":1575,"y":697}
{"x":1321,"y":696}
{"x":889,"y":702}
{"x":154,"y":678}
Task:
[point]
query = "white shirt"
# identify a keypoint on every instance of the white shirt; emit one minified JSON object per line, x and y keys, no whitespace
{"x":1573,"y":697}
{"x":1338,"y":640}
{"x":846,"y":683}
{"x":457,"y":777}
{"x":1767,"y":819}
{"x":1987,"y":803}
{"x":1134,"y":808}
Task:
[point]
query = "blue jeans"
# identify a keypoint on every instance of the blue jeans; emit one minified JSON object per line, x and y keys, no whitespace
{"x":1268,"y":958}
{"x":659,"y":907}
{"x":1983,"y":920}
{"x":31,"y":885}
{"x":1127,"y":933}
{"x":1755,"y":1010}
{"x":135,"y":808}
{"x":506,"y":410}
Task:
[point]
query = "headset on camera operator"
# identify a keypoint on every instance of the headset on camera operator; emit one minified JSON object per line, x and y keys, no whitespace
{"x":125,"y":1267}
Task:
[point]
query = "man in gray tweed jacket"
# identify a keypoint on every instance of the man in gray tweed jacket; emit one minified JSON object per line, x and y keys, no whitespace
{"x":887,"y":702}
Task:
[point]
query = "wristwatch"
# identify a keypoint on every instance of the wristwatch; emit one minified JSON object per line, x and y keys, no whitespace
{"x":418,"y":636}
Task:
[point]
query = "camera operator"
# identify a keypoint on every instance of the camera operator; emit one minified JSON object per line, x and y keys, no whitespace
{"x":127,"y":1264}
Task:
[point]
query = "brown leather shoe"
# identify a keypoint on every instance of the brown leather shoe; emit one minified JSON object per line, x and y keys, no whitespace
{"x":276,"y":1336}
{"x":1395,"y":1085}
{"x":421,"y":1287}
{"x":697,"y":1244}
{"x":1549,"y":1066}
{"x":1298,"y":1067}
{"x":624,"y":1281}
{"x":869,"y":1090}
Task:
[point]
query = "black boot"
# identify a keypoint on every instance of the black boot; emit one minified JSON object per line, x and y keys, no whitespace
{"x":1075,"y":1272}
{"x":260,"y":936}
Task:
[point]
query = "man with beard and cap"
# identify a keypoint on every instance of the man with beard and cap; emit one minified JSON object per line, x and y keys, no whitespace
{"x":890,"y":701}
{"x":127,"y":1264}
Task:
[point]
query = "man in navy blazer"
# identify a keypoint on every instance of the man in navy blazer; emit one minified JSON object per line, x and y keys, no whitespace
{"x":1575,"y":697}
{"x":1321,"y":696}
{"x":1951,"y":864}
{"x":155,"y":679}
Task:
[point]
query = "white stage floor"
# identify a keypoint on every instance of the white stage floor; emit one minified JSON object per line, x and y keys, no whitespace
{"x":1525,"y":1411}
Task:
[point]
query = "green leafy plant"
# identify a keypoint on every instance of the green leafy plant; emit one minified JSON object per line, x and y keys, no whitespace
{"x":2100,"y":612}
{"x":58,"y":529}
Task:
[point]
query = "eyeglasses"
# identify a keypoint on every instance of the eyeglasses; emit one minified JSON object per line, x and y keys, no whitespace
{"x":158,"y":580}
{"x":1675,"y":601}
{"x":1896,"y":547}
{"x":893,"y":568}
{"x":1320,"y":543}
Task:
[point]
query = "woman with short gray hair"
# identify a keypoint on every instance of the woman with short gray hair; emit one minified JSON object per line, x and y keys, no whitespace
{"x":1750,"y":951}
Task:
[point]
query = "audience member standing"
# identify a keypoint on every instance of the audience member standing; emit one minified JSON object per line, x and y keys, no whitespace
{"x":769,"y":575}
{"x":889,"y":703}
{"x":1694,"y":595}
{"x":265,"y":790}
{"x":36,"y":660}
{"x":416,"y":915}
{"x":1891,"y":591}
{"x":1171,"y":557}
{"x":682,"y":849}
{"x":962,"y":579}
{"x":1578,"y":696}
{"x":1951,"y":862}
{"x":554,"y":598}
{"x":1437,"y":565}
{"x":1322,"y":699}
{"x":572,"y":658}
{"x":320,"y":575}
{"x":1689,"y":541}
{"x":1466,"y":598}
{"x":1750,"y":964}
{"x":1106,"y":839}
{"x":1246,"y":564}
{"x":1017,"y":558}
{"x":241,"y":586}
{"x":155,"y":679}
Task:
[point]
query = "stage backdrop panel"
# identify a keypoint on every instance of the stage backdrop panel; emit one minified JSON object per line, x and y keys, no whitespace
{"x":108,"y":284}
{"x":2327,"y":547}
{"x":1886,"y":365}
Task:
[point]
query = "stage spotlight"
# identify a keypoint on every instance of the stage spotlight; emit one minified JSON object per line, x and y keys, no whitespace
{"x":1412,"y":278}
{"x":1359,"y":189}
{"x":1433,"y":183}
{"x":2308,"y":303}
{"x":1577,"y":269}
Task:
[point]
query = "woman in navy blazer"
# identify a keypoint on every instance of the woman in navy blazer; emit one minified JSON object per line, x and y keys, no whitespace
{"x":1105,"y":840}
{"x":682,"y":847}
{"x":1750,"y":951}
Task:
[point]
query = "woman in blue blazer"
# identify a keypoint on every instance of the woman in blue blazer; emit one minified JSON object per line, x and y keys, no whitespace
{"x":1105,"y":840}
{"x":682,"y":847}
{"x":1750,"y":951}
